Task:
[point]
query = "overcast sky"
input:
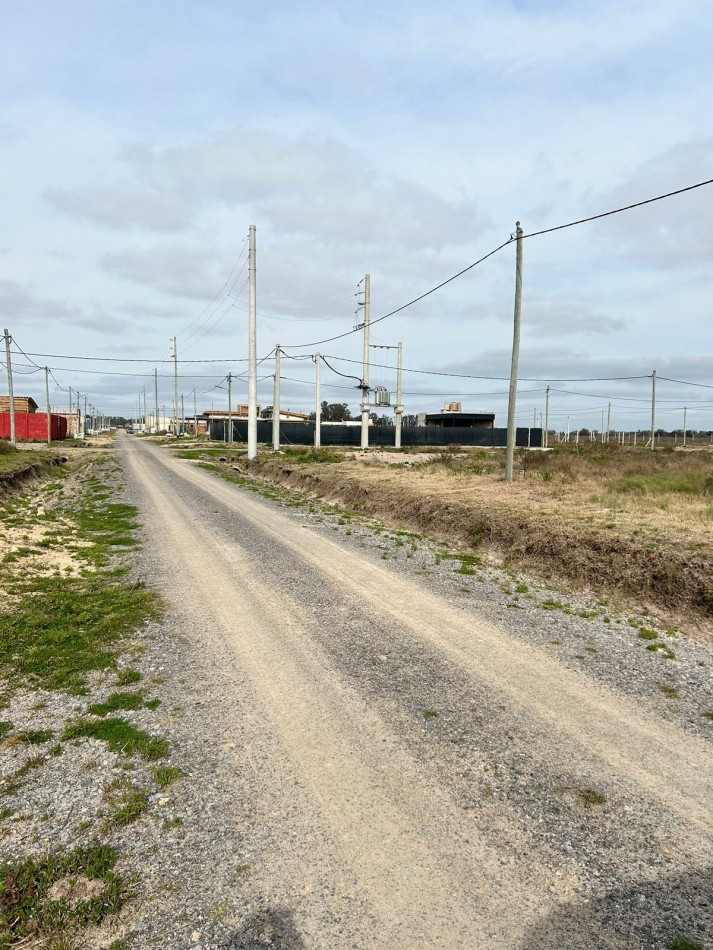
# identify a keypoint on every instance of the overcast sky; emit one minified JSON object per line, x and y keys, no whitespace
{"x":139,"y":141}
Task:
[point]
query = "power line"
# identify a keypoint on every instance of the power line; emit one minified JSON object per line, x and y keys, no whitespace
{"x":606,"y":214}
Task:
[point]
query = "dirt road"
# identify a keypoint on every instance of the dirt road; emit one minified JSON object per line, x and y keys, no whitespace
{"x":418,"y":777}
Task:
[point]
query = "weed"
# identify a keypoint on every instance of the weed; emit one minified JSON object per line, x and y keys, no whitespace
{"x":5,"y":728}
{"x":127,"y":677}
{"x":36,"y":904}
{"x":152,"y":704}
{"x":116,"y":702}
{"x":430,"y":714}
{"x":648,"y":634}
{"x":175,"y":822}
{"x":165,"y":775}
{"x":126,"y":802}
{"x":551,"y":604}
{"x":681,"y":943}
{"x":590,"y":797}
{"x":669,"y":691}
{"x":521,"y":588}
{"x":120,"y":736}
{"x":34,"y":736}
{"x":219,"y":912}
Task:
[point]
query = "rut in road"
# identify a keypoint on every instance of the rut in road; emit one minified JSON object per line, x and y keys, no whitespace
{"x":430,"y":876}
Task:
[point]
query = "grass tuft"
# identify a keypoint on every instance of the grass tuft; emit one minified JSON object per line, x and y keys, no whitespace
{"x":120,"y":736}
{"x":165,"y":775}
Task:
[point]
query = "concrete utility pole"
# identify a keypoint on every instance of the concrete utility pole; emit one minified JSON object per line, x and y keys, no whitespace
{"x":512,"y":399}
{"x":155,"y":395}
{"x":653,"y":410}
{"x":230,"y":408}
{"x":79,"y":417}
{"x":195,"y":413}
{"x":69,"y":416}
{"x":252,"y":352}
{"x":84,"y":427}
{"x":608,"y":421}
{"x":10,"y":392}
{"x":365,"y":365}
{"x":47,"y":401}
{"x":181,"y":426}
{"x":547,"y":417}
{"x":146,"y":418}
{"x":276,"y":403}
{"x":318,"y":404}
{"x":684,"y":426}
{"x":175,"y":389}
{"x":399,"y":408}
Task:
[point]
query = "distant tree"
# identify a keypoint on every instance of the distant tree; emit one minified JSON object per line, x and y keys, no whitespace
{"x":409,"y":419}
{"x":382,"y":420}
{"x":333,"y":412}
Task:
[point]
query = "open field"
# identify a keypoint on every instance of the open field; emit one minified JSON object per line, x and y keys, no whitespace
{"x":623,"y":523}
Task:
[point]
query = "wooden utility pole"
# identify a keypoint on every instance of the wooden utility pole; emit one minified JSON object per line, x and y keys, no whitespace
{"x":10,"y":392}
{"x":47,"y":403}
{"x":175,"y":389}
{"x":318,"y":404}
{"x":276,"y":403}
{"x":399,"y":408}
{"x":512,"y":399}
{"x":155,"y":396}
{"x":365,"y":365}
{"x":252,"y":351}
{"x":230,"y":408}
{"x":547,"y":417}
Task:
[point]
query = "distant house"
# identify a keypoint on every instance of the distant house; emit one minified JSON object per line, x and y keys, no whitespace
{"x":453,"y":417}
{"x":286,"y":415}
{"x":22,"y":404}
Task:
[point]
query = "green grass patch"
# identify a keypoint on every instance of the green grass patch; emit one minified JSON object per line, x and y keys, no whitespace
{"x":117,"y":701}
{"x":682,"y":943}
{"x":34,"y":736}
{"x":590,"y":797}
{"x":5,"y":728}
{"x":165,"y":775}
{"x":120,"y":736}
{"x":64,"y":628}
{"x":307,"y":456}
{"x":669,"y":691}
{"x":430,"y":714}
{"x":38,"y":896}
{"x":127,"y":677}
{"x":648,"y":634}
{"x":126,"y":802}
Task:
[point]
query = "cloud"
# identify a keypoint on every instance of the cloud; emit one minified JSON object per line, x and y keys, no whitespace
{"x":119,"y":208}
{"x":181,"y":270}
{"x":30,"y":310}
{"x":676,"y":232}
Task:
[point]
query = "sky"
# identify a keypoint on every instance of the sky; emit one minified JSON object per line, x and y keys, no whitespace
{"x":139,"y":141}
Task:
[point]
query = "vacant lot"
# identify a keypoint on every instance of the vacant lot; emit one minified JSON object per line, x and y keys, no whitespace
{"x":620,"y":522}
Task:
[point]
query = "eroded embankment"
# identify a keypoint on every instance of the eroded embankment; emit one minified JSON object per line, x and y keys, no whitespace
{"x":665,"y":575}
{"x":21,"y":477}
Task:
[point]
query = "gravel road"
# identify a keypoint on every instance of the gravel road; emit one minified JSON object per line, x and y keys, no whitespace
{"x":373,"y":761}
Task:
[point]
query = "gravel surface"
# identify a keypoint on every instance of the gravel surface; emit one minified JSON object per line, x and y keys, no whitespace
{"x":384,"y":746}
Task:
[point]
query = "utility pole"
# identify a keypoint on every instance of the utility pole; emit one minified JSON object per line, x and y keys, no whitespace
{"x":181,"y":426}
{"x":230,"y":408}
{"x":175,"y":389}
{"x":547,"y":417}
{"x":84,"y":427}
{"x":47,"y":401}
{"x":608,"y":421}
{"x":684,"y":426}
{"x":252,"y":353}
{"x":10,"y":392}
{"x":146,"y":418}
{"x":69,"y":415}
{"x":155,"y":395}
{"x":318,"y":405}
{"x":276,"y":403}
{"x":79,"y":416}
{"x":399,"y":408}
{"x":365,"y":365}
{"x":653,"y":410}
{"x":195,"y":413}
{"x":510,"y":453}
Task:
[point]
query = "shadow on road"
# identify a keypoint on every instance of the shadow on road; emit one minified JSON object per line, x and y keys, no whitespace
{"x":647,"y":916}
{"x":273,"y":928}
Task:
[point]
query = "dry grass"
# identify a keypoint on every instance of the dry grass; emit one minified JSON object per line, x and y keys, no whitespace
{"x":618,"y":521}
